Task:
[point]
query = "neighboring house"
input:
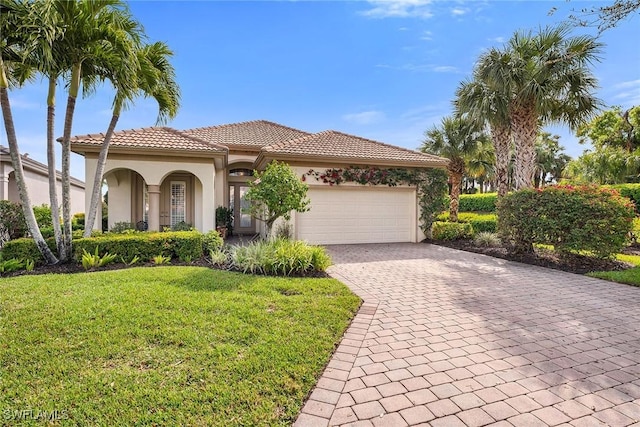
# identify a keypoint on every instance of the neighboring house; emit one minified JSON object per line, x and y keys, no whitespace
{"x":37,"y":179}
{"x":160,"y":176}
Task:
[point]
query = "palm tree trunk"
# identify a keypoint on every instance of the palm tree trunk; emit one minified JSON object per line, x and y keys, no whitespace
{"x":97,"y":180}
{"x":525,"y":130}
{"x":16,"y":161}
{"x":51,"y":162}
{"x":501,"y":137}
{"x":74,"y":86}
{"x":456,"y":180}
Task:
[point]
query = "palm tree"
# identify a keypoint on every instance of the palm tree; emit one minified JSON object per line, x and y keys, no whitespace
{"x":153,"y":76}
{"x":456,"y":139}
{"x":545,"y":78}
{"x":481,"y":164}
{"x":550,"y":159}
{"x":16,"y":27}
{"x":483,"y":104}
{"x":94,"y":29}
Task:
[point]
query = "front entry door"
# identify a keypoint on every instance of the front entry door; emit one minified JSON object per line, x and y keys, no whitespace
{"x":243,"y":223}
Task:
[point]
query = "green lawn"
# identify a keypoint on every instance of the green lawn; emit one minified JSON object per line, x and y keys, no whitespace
{"x":166,"y":345}
{"x":630,"y":276}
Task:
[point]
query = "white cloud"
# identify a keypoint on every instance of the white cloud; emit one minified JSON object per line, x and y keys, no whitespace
{"x":445,"y":69}
{"x":458,"y":11}
{"x":364,"y":117}
{"x":421,"y":68}
{"x":629,"y":84}
{"x":629,"y":92}
{"x":427,"y":35}
{"x":20,"y":103}
{"x":499,"y":39}
{"x":399,"y":9}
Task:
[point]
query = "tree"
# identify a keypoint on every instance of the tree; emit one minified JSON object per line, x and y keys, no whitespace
{"x":605,"y":165}
{"x":275,"y":193}
{"x":484,"y":104}
{"x":605,"y":17}
{"x":550,"y":159}
{"x":545,"y":78}
{"x":481,"y":165}
{"x":146,"y":72}
{"x":613,"y":128}
{"x":15,"y":24}
{"x":456,"y":139}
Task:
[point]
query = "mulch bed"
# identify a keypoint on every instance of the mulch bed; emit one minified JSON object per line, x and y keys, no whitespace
{"x":571,"y":263}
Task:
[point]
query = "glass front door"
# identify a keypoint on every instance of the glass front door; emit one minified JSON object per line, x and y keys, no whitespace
{"x":243,"y":223}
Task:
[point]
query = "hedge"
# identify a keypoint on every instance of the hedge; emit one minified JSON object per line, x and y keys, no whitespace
{"x":451,"y":230}
{"x":176,"y":244}
{"x":630,"y":191}
{"x":478,"y":202}
{"x":479,"y":222}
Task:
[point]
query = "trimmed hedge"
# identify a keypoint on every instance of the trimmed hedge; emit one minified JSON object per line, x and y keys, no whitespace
{"x":174,"y":244}
{"x":177,"y":244}
{"x":479,"y":222}
{"x":630,"y":191}
{"x":478,"y":202}
{"x":442,"y":230}
{"x":571,"y":218}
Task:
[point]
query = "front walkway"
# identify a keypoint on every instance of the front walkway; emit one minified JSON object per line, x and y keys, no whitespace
{"x":448,"y":338}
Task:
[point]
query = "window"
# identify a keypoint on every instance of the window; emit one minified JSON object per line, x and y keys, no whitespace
{"x":178,"y":202}
{"x":240,"y":172}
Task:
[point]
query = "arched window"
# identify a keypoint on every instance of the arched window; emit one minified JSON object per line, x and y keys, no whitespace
{"x":241,"y":172}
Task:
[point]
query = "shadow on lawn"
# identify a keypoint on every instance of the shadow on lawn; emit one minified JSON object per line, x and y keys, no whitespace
{"x":212,"y":280}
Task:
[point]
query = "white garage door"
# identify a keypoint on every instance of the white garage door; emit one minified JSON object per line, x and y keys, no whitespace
{"x":358,"y":215}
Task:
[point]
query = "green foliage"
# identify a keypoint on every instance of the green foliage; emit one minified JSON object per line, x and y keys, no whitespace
{"x":432,"y":196}
{"x":606,"y":165}
{"x":480,"y":222}
{"x":224,"y":218}
{"x":630,"y":191}
{"x":280,"y":257}
{"x":175,"y":244}
{"x":613,"y":128}
{"x":451,"y":230}
{"x":182,"y":226}
{"x":364,"y":175}
{"x":478,"y":202}
{"x":29,"y":265}
{"x":10,"y":265}
{"x":91,"y":261}
{"x":211,"y":241}
{"x":284,"y":230}
{"x":160,"y":260}
{"x":218,"y":257}
{"x":276,"y":192}
{"x":12,"y":223}
{"x":130,"y":262}
{"x":25,"y":248}
{"x":487,"y":239}
{"x":122,"y":227}
{"x":582,"y":218}
{"x":78,"y":219}
{"x":43,"y":216}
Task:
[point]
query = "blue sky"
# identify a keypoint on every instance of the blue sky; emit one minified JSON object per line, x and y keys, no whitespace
{"x":385,"y":70}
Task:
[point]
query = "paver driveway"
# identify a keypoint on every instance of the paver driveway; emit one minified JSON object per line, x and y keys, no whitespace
{"x":449,"y":338}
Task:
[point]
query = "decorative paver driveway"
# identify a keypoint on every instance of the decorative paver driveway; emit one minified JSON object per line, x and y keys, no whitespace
{"x":448,"y":338}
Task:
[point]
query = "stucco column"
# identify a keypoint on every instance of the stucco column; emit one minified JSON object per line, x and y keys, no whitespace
{"x":4,"y":187}
{"x":154,"y":207}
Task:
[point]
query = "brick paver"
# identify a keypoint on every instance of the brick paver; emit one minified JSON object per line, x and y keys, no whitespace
{"x":446,"y":337}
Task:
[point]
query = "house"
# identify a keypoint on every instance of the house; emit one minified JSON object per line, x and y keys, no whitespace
{"x":163,"y":176}
{"x":36,"y":176}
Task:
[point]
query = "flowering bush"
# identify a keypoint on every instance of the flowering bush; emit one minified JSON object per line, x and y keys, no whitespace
{"x":571,"y":218}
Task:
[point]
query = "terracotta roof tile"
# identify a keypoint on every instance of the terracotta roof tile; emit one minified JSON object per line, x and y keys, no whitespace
{"x":338,"y":145}
{"x":257,"y":133}
{"x":151,"y":138}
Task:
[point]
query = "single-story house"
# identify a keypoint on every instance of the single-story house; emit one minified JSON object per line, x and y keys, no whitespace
{"x":163,"y":176}
{"x":36,"y":177}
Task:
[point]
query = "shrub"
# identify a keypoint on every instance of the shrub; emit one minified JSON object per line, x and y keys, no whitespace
{"x":25,"y":248}
{"x":211,"y":241}
{"x":478,"y":202}
{"x":43,"y":215}
{"x":280,"y":257}
{"x":630,"y":191}
{"x":122,"y":226}
{"x":12,"y":223}
{"x":218,"y":257}
{"x":479,"y":222}
{"x":487,"y":239}
{"x":177,"y":244}
{"x":78,"y":219}
{"x":284,"y":230}
{"x":432,"y":196}
{"x":11,"y":265}
{"x":160,"y":260}
{"x":571,"y":218}
{"x":182,"y":226}
{"x":451,"y":230}
{"x":92,"y":261}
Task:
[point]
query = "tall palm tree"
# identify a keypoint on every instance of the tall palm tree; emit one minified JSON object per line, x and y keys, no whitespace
{"x":94,"y":28}
{"x":481,"y":164}
{"x":456,"y":139}
{"x":484,"y":104}
{"x":546,"y":78}
{"x":150,"y":75}
{"x":16,"y":28}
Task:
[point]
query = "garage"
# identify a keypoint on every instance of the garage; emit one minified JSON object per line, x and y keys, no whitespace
{"x":346,"y":214}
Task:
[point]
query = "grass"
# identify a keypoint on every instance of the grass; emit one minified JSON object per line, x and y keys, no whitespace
{"x":166,"y":345}
{"x":630,"y":276}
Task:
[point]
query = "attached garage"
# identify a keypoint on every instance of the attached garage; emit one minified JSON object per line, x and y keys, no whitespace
{"x":349,"y":214}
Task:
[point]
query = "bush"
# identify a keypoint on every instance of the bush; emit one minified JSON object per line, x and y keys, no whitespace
{"x":211,"y":241}
{"x":630,"y":191}
{"x":479,"y":222}
{"x":451,"y":230}
{"x":571,"y":218}
{"x":182,"y":226}
{"x":478,"y":202}
{"x":177,"y":244}
{"x":78,"y":220}
{"x":43,"y":215}
{"x":12,"y":223}
{"x":487,"y":239}
{"x":25,"y":248}
{"x":280,"y":257}
{"x":122,"y":226}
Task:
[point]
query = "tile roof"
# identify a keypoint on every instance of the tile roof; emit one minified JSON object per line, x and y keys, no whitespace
{"x":338,"y":145}
{"x":151,"y":138}
{"x":254,"y":134}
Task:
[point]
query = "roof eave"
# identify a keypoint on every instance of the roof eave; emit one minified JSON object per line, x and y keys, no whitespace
{"x":265,"y":156}
{"x":81,"y":148}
